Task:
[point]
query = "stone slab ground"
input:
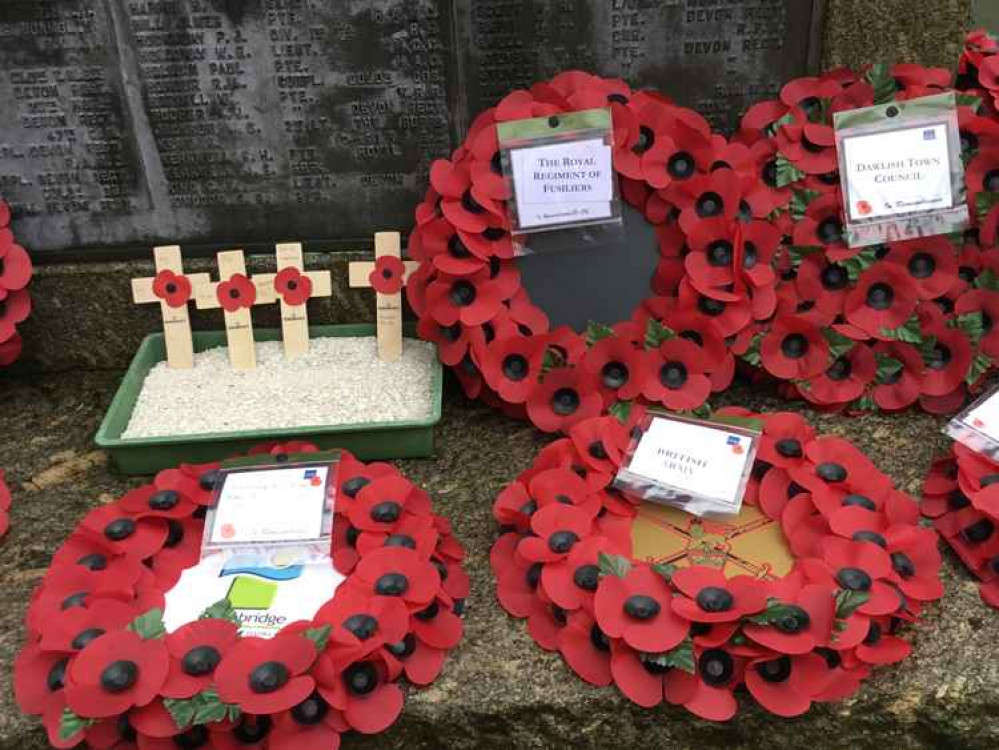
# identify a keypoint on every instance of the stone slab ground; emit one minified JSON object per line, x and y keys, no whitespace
{"x":498,"y":690}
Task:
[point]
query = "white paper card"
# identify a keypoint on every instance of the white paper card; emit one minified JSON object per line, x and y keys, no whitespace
{"x":985,"y":417}
{"x":268,"y":590}
{"x":702,"y":461}
{"x":563,"y":182}
{"x":898,"y":172}
{"x":272,"y":505}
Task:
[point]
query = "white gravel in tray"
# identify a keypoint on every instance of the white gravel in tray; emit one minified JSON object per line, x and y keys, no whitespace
{"x":340,"y":381}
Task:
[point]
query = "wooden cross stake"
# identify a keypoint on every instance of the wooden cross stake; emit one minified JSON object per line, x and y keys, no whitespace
{"x":171,"y":291}
{"x":389,"y":306}
{"x":239,"y":293}
{"x":294,"y":316}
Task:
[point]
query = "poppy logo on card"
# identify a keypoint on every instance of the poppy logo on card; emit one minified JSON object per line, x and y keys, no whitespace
{"x":228,"y":531}
{"x":313,"y":477}
{"x":977,"y":422}
{"x":864,"y":208}
{"x":736,"y":444}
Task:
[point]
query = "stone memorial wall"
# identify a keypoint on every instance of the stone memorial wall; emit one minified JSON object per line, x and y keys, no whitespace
{"x":135,"y":122}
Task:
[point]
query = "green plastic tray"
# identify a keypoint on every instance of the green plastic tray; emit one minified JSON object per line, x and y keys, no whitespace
{"x":367,"y":441}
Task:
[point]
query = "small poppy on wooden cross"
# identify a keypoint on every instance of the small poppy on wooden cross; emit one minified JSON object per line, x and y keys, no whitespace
{"x":173,"y":290}
{"x":294,"y":288}
{"x":387,"y":276}
{"x":236,"y":293}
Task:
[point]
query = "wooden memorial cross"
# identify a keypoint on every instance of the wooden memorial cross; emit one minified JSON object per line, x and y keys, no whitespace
{"x":294,"y":288}
{"x":236,"y":294}
{"x":388,"y":320}
{"x":173,"y":290}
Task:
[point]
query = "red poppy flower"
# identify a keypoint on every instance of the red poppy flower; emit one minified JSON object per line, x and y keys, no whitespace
{"x":600,"y":443}
{"x":716,"y":196}
{"x":566,"y":396}
{"x":677,"y":375}
{"x":883,"y":300}
{"x":785,"y":435}
{"x":195,"y":651}
{"x":311,"y":725}
{"x":845,"y":380}
{"x":586,"y":649}
{"x":14,"y":309}
{"x":805,"y":624}
{"x":512,"y":366}
{"x":39,"y":679}
{"x":398,"y":571}
{"x":637,"y":609}
{"x":388,"y":276}
{"x":572,"y":582}
{"x":557,"y":528}
{"x":236,"y":293}
{"x":916,"y":560}
{"x":619,"y":367}
{"x":638,"y":676}
{"x":730,"y":317}
{"x":900,"y":368}
{"x":822,"y":226}
{"x":381,"y":504}
{"x":471,"y":300}
{"x":125,"y":535}
{"x":708,"y":692}
{"x":710,"y":597}
{"x":947,"y":362}
{"x":115,"y":672}
{"x":861,"y":566}
{"x":266,"y":676}
{"x":420,"y":663}
{"x":75,"y":627}
{"x":363,"y":624}
{"x":172,"y":288}
{"x":810,"y":146}
{"x":362,"y":690}
{"x":787,"y":685}
{"x":929,"y":262}
{"x":794,"y":350}
{"x":674,"y":153}
{"x":294,"y":286}
{"x":15,"y":266}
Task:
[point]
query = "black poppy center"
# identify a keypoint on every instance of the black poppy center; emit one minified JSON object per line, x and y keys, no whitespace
{"x":861,"y":501}
{"x":362,"y":626}
{"x":469,"y":203}
{"x":565,"y":401}
{"x":56,"y":678}
{"x":869,"y":536}
{"x":614,"y":374}
{"x":361,"y":678}
{"x":830,"y":231}
{"x":392,"y":584}
{"x":673,"y":375}
{"x":750,"y":256}
{"x":94,"y":561}
{"x":794,"y":346}
{"x":462,"y":293}
{"x":119,"y":529}
{"x":922,"y":265}
{"x":252,"y":729}
{"x":834,"y":277}
{"x":681,"y":166}
{"x":400,"y":540}
{"x":793,"y":620}
{"x":387,"y":511}
{"x":880,"y":296}
{"x":533,"y":575}
{"x":829,"y":471}
{"x":587,"y":577}
{"x":710,"y":306}
{"x":775,"y":670}
{"x":854,"y":579}
{"x":770,"y":173}
{"x":641,"y":607}
{"x":957,"y":500}
{"x":715,"y":599}
{"x":78,"y":599}
{"x":693,"y":336}
{"x":840,"y":369}
{"x":939,"y":357}
{"x":991,"y":181}
{"x":562,"y":541}
{"x":352,"y":486}
{"x":979,"y":532}
{"x":310,"y":711}
{"x":268,"y":677}
{"x":119,"y":676}
{"x":200,"y":661}
{"x":403,"y":649}
{"x":234,"y":293}
{"x":902,"y":564}
{"x":709,"y":204}
{"x":84,"y":637}
{"x":164,"y":500}
{"x":451,"y":333}
{"x":789,"y":448}
{"x":720,"y":253}
{"x":716,"y":667}
{"x":599,"y":639}
{"x":515,"y":367}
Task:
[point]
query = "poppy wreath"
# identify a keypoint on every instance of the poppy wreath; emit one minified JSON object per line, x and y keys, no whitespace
{"x":15,"y":303}
{"x":99,"y":667}
{"x":864,"y":566}
{"x":961,"y":497}
{"x":753,"y":272}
